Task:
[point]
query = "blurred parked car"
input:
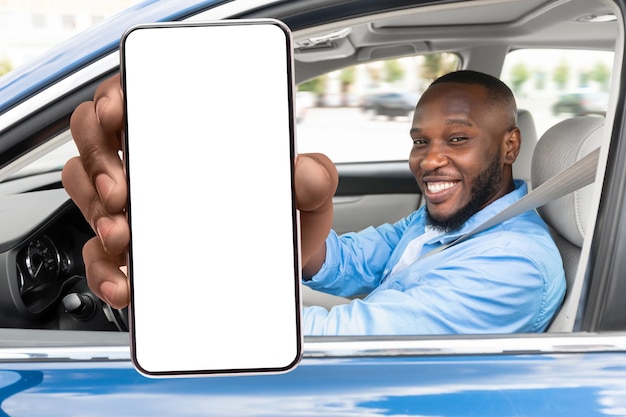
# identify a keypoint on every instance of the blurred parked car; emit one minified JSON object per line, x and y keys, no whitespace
{"x":390,"y":104}
{"x":329,"y":99}
{"x":582,"y":103}
{"x":71,"y":358}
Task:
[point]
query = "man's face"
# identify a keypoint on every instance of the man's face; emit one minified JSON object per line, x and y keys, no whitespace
{"x":460,"y":152}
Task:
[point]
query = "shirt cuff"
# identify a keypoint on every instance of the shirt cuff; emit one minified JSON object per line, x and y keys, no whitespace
{"x":329,"y":268}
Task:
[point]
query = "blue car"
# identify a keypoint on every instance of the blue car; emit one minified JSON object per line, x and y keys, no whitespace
{"x":63,"y":352}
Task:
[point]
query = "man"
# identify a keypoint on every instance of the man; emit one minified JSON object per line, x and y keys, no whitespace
{"x":465,"y":140}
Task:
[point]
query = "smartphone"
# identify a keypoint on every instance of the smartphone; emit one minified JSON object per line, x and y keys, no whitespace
{"x":209,"y":152}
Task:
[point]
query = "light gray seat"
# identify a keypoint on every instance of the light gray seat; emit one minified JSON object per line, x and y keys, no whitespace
{"x":559,"y":147}
{"x":526,"y":124}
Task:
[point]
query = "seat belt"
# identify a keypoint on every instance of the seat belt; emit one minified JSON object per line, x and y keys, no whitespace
{"x":574,"y":177}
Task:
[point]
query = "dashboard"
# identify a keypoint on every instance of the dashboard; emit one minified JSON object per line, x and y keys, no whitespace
{"x":42,"y":279}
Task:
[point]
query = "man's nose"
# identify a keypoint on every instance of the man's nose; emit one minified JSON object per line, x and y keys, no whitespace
{"x":434,"y":157}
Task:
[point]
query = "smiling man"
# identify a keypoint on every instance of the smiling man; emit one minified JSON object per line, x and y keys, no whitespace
{"x":506,"y":279}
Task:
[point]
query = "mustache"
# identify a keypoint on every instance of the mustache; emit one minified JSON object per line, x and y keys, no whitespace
{"x":436,"y":173}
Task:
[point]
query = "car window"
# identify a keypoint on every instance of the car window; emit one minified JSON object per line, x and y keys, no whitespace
{"x":558,"y":84}
{"x":363,"y":113}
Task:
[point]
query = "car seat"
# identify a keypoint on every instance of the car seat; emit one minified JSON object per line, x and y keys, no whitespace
{"x":559,"y":147}
{"x":526,"y":125}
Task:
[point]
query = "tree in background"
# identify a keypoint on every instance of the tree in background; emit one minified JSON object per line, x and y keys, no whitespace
{"x":583,"y":79}
{"x":436,"y":65}
{"x":561,"y":75}
{"x":346,"y":77}
{"x":393,"y":71}
{"x":601,"y":74}
{"x":519,"y":75}
{"x":315,"y":85}
{"x":374,"y":75}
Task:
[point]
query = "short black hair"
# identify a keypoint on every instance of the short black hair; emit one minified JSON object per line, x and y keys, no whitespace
{"x":498,"y":93}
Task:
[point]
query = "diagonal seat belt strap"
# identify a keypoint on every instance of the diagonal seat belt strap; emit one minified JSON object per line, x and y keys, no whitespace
{"x":577,"y":175}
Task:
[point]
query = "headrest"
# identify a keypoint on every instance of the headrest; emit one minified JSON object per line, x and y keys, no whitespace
{"x":526,"y":124}
{"x":561,"y":146}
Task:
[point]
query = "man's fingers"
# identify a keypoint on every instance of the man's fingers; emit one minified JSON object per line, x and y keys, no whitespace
{"x":104,"y":276}
{"x":316,"y":181}
{"x":112,"y":229}
{"x":78,"y":185}
{"x":97,"y":183}
{"x":96,"y":127}
{"x":109,"y":105}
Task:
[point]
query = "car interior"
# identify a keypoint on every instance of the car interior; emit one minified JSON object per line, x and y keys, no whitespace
{"x":483,"y":47}
{"x":40,"y":246}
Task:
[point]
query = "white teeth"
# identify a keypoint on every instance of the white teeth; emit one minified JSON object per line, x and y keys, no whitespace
{"x":435,"y":187}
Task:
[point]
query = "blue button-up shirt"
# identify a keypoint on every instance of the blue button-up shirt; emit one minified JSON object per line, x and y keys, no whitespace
{"x":506,"y":279}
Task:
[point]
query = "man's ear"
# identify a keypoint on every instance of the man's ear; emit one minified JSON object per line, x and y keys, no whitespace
{"x":511,"y":145}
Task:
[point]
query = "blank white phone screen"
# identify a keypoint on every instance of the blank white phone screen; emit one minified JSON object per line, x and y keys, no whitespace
{"x":214,"y":260}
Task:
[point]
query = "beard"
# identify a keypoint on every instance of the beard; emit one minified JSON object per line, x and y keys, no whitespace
{"x":484,"y":187}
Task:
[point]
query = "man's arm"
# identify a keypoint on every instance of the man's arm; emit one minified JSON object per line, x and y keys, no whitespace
{"x":316,"y":182}
{"x":498,"y":290}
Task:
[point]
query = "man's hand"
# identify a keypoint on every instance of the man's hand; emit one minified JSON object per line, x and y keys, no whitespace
{"x":315,"y":183}
{"x":96,"y":182}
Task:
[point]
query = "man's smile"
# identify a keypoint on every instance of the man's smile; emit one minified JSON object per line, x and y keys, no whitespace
{"x":436,"y":187}
{"x":439,"y":191}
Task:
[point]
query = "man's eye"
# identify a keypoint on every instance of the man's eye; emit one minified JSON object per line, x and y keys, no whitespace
{"x":419,"y":141}
{"x":458,"y":139}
